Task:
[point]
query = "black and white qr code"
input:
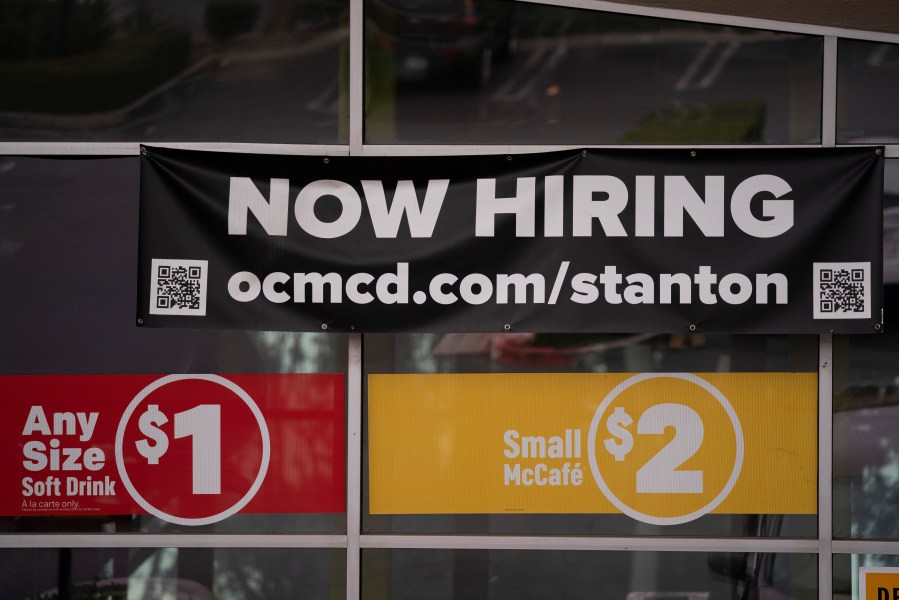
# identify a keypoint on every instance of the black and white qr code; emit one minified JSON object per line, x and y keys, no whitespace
{"x":178,"y":287}
{"x":842,"y":290}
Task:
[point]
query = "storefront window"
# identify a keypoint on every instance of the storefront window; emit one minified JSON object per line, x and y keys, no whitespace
{"x":866,"y":407}
{"x":265,"y":71}
{"x":867,"y":84}
{"x":498,"y":72}
{"x":847,"y":577}
{"x":576,"y":354}
{"x":527,"y":429}
{"x":500,"y":574}
{"x":68,"y":246}
{"x":198,"y":573}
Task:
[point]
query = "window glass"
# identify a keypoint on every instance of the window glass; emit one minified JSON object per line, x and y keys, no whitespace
{"x":492,"y":71}
{"x":197,"y":573}
{"x":583,"y":353}
{"x":272,"y":71}
{"x":867,"y":85}
{"x":866,"y":405}
{"x":846,"y":573}
{"x":68,"y":248}
{"x":524,"y":574}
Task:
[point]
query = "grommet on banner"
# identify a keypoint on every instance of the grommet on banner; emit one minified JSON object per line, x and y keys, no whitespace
{"x":584,"y":152}
{"x":352,"y":327}
{"x":507,"y":327}
{"x":508,"y":158}
{"x":324,"y":326}
{"x":327,"y":160}
{"x":140,"y":322}
{"x":878,"y":152}
{"x":692,"y":327}
{"x":693,"y":153}
{"x":143,"y":151}
{"x":876,"y":326}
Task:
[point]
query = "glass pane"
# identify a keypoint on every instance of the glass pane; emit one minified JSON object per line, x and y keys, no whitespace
{"x":524,"y":574}
{"x":272,"y":71}
{"x":197,"y":573}
{"x":866,"y":405}
{"x":68,"y":250}
{"x":867,"y":87}
{"x":583,"y":353}
{"x":846,"y":577}
{"x":493,"y":71}
{"x":866,"y":433}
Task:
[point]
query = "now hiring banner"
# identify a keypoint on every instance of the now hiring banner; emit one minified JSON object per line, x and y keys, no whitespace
{"x":713,"y":240}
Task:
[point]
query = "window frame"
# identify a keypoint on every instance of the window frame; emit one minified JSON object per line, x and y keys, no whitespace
{"x":354,"y":540}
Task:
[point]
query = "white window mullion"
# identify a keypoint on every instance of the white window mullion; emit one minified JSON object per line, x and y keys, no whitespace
{"x":354,"y":466}
{"x":829,"y":94}
{"x":825,"y":467}
{"x":357,"y":77}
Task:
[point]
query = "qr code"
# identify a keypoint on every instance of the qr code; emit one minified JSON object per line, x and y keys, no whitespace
{"x":178,"y":287}
{"x":842,"y":290}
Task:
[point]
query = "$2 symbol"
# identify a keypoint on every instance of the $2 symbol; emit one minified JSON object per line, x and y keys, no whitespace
{"x":660,"y":474}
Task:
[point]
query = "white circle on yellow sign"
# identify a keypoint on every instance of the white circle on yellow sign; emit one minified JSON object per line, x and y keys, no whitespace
{"x":665,"y":448}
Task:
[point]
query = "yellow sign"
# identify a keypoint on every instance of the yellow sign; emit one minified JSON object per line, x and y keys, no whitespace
{"x":663,"y":448}
{"x":878,"y":583}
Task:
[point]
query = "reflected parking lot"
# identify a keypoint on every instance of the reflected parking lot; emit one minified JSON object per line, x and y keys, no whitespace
{"x":128,"y":70}
{"x":567,"y":76}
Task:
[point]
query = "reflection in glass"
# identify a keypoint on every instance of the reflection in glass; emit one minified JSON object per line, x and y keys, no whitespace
{"x":68,"y":236}
{"x":891,"y":222}
{"x":213,"y":71}
{"x":587,"y":352}
{"x":521,"y":575}
{"x":866,"y":406}
{"x":196,"y":573}
{"x":866,"y":435}
{"x":846,"y":576}
{"x":867,"y":88}
{"x":493,"y":71}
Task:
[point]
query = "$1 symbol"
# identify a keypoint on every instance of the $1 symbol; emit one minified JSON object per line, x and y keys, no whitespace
{"x":619,"y":446}
{"x":149,"y":426}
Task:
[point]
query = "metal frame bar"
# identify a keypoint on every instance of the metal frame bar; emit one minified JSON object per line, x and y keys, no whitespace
{"x":468,"y":150}
{"x":865,"y":547}
{"x":825,"y":356}
{"x":626,"y":544}
{"x":171,"y":540}
{"x":829,"y":94}
{"x":354,"y":468}
{"x":825,"y":467}
{"x":357,"y":76}
{"x":133,"y":149}
{"x":720,"y":19}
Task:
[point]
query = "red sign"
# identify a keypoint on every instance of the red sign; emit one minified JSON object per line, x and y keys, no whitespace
{"x":189,"y":449}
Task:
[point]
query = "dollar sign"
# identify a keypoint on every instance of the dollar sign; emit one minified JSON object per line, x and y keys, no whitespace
{"x":616,"y":425}
{"x":149,"y":426}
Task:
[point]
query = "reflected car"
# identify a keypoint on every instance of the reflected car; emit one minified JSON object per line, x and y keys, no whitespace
{"x":455,"y":39}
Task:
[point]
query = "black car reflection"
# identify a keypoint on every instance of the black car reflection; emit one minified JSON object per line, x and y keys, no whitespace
{"x":452,"y":40}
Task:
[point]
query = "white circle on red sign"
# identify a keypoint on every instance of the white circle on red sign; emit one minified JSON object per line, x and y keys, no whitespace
{"x":178,"y":438}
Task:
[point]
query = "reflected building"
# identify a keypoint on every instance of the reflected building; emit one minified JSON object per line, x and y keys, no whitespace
{"x":83,"y":83}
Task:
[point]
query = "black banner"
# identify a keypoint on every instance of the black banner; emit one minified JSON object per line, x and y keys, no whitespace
{"x":748,"y":240}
